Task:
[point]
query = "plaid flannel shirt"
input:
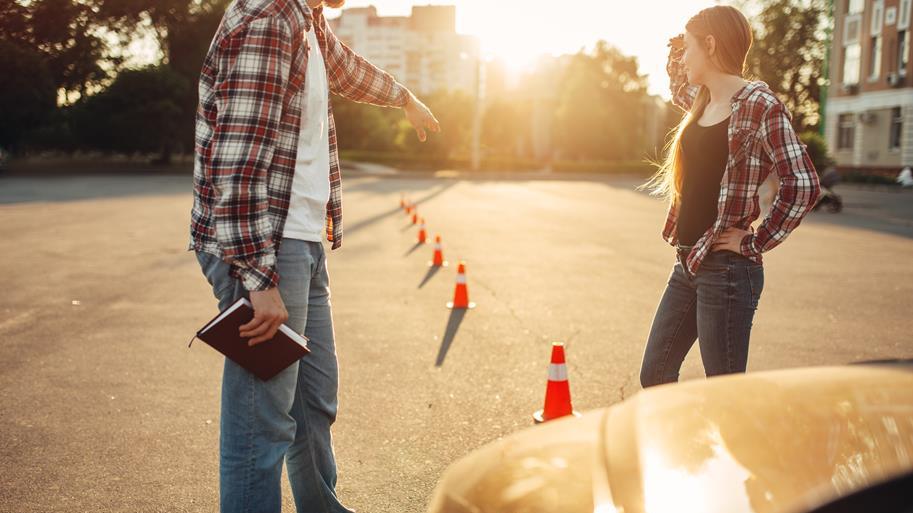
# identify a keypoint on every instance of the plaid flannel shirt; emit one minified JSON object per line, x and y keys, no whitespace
{"x":761,"y":141}
{"x":247,"y":127}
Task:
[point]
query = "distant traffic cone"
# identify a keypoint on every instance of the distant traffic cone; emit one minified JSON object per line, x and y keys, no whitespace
{"x":408,"y":208}
{"x":422,"y":234}
{"x":414,"y":215}
{"x":461,"y":294}
{"x":402,"y":201}
{"x":438,"y":259}
{"x":557,"y":392}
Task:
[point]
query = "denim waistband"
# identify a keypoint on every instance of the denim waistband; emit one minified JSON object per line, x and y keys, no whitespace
{"x":680,"y":248}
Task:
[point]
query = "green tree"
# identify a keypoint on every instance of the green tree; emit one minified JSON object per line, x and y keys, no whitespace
{"x":365,"y":127}
{"x":504,"y":126}
{"x":789,"y":53}
{"x":454,"y":110}
{"x":65,"y":33}
{"x":183,"y":28}
{"x":600,"y":106}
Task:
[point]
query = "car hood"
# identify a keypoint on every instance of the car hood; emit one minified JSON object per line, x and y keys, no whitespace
{"x":544,"y":469}
{"x":772,"y":442}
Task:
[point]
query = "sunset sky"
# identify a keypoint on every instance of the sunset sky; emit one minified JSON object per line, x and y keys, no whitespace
{"x":520,"y":30}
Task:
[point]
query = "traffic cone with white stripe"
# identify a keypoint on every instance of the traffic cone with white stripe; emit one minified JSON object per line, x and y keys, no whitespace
{"x":557,"y":392}
{"x":461,"y":294}
{"x":422,"y":234}
{"x":438,"y":259}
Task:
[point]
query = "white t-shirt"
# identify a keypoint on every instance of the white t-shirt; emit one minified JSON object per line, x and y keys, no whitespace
{"x":311,"y":184}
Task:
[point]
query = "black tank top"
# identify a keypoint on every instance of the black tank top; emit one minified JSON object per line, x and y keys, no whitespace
{"x":705,"y":151}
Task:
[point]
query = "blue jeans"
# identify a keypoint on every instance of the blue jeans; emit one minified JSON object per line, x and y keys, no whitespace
{"x":716,"y":306}
{"x":287,"y":418}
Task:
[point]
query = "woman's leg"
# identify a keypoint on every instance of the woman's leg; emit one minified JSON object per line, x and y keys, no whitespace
{"x":673,"y":332}
{"x":728,"y":290}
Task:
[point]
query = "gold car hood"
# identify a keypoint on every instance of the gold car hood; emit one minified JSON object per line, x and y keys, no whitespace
{"x":769,"y":442}
{"x":544,"y":469}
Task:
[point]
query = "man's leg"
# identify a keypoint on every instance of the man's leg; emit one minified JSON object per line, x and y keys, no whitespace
{"x":256,"y":427}
{"x":311,"y":462}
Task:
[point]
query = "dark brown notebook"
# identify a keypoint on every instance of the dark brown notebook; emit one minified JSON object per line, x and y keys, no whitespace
{"x":265,"y":359}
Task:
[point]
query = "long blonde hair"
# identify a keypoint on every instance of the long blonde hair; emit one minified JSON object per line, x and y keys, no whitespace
{"x":733,"y":37}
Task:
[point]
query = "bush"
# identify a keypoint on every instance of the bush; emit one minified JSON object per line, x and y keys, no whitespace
{"x":868,"y":178}
{"x":27,"y":94}
{"x":817,"y":150}
{"x":139,"y":113}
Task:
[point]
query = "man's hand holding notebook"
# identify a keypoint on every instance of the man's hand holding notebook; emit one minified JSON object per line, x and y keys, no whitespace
{"x":269,"y":314}
{"x":226,"y":333}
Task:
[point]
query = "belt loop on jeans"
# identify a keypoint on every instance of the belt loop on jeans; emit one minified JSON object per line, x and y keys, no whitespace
{"x":680,"y":248}
{"x":681,"y":253}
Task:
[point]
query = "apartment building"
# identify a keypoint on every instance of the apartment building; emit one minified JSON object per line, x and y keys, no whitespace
{"x":869,"y":110}
{"x":423,"y":50}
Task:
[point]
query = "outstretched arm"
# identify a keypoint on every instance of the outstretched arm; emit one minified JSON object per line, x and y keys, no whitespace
{"x":354,"y":78}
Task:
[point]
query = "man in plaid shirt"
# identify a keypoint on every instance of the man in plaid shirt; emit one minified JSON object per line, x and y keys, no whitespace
{"x":266,"y":188}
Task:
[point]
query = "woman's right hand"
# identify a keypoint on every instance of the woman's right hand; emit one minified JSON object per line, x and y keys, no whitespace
{"x":676,"y":50}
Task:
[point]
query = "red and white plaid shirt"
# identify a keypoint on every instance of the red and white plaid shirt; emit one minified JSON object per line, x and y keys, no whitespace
{"x":247,"y":127}
{"x":761,"y":141}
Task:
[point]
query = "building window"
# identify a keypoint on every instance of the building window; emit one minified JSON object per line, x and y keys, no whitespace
{"x":875,"y":58}
{"x":903,"y":15}
{"x":896,"y":128}
{"x":903,"y":51}
{"x":854,"y":6}
{"x":846,"y":131}
{"x":877,"y":17}
{"x":851,"y":64}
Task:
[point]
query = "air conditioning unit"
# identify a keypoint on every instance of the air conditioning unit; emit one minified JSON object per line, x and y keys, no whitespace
{"x":850,"y":88}
{"x":895,"y":80}
{"x":866,"y":117}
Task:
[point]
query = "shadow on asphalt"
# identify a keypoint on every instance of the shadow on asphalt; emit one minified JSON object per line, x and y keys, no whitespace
{"x":413,"y":248}
{"x":430,"y":274}
{"x":395,"y":210}
{"x":453,"y":324}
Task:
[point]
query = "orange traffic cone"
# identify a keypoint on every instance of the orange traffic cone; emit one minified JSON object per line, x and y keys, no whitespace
{"x":402,"y":201}
{"x":461,"y":294}
{"x":557,"y":393}
{"x":438,"y":259}
{"x":422,"y":235}
{"x":414,"y":215}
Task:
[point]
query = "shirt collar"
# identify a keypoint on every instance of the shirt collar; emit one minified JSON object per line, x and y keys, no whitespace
{"x":308,"y":13}
{"x":746,"y":90}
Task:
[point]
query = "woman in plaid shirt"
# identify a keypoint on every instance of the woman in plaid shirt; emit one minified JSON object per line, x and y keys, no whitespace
{"x":736,"y":133}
